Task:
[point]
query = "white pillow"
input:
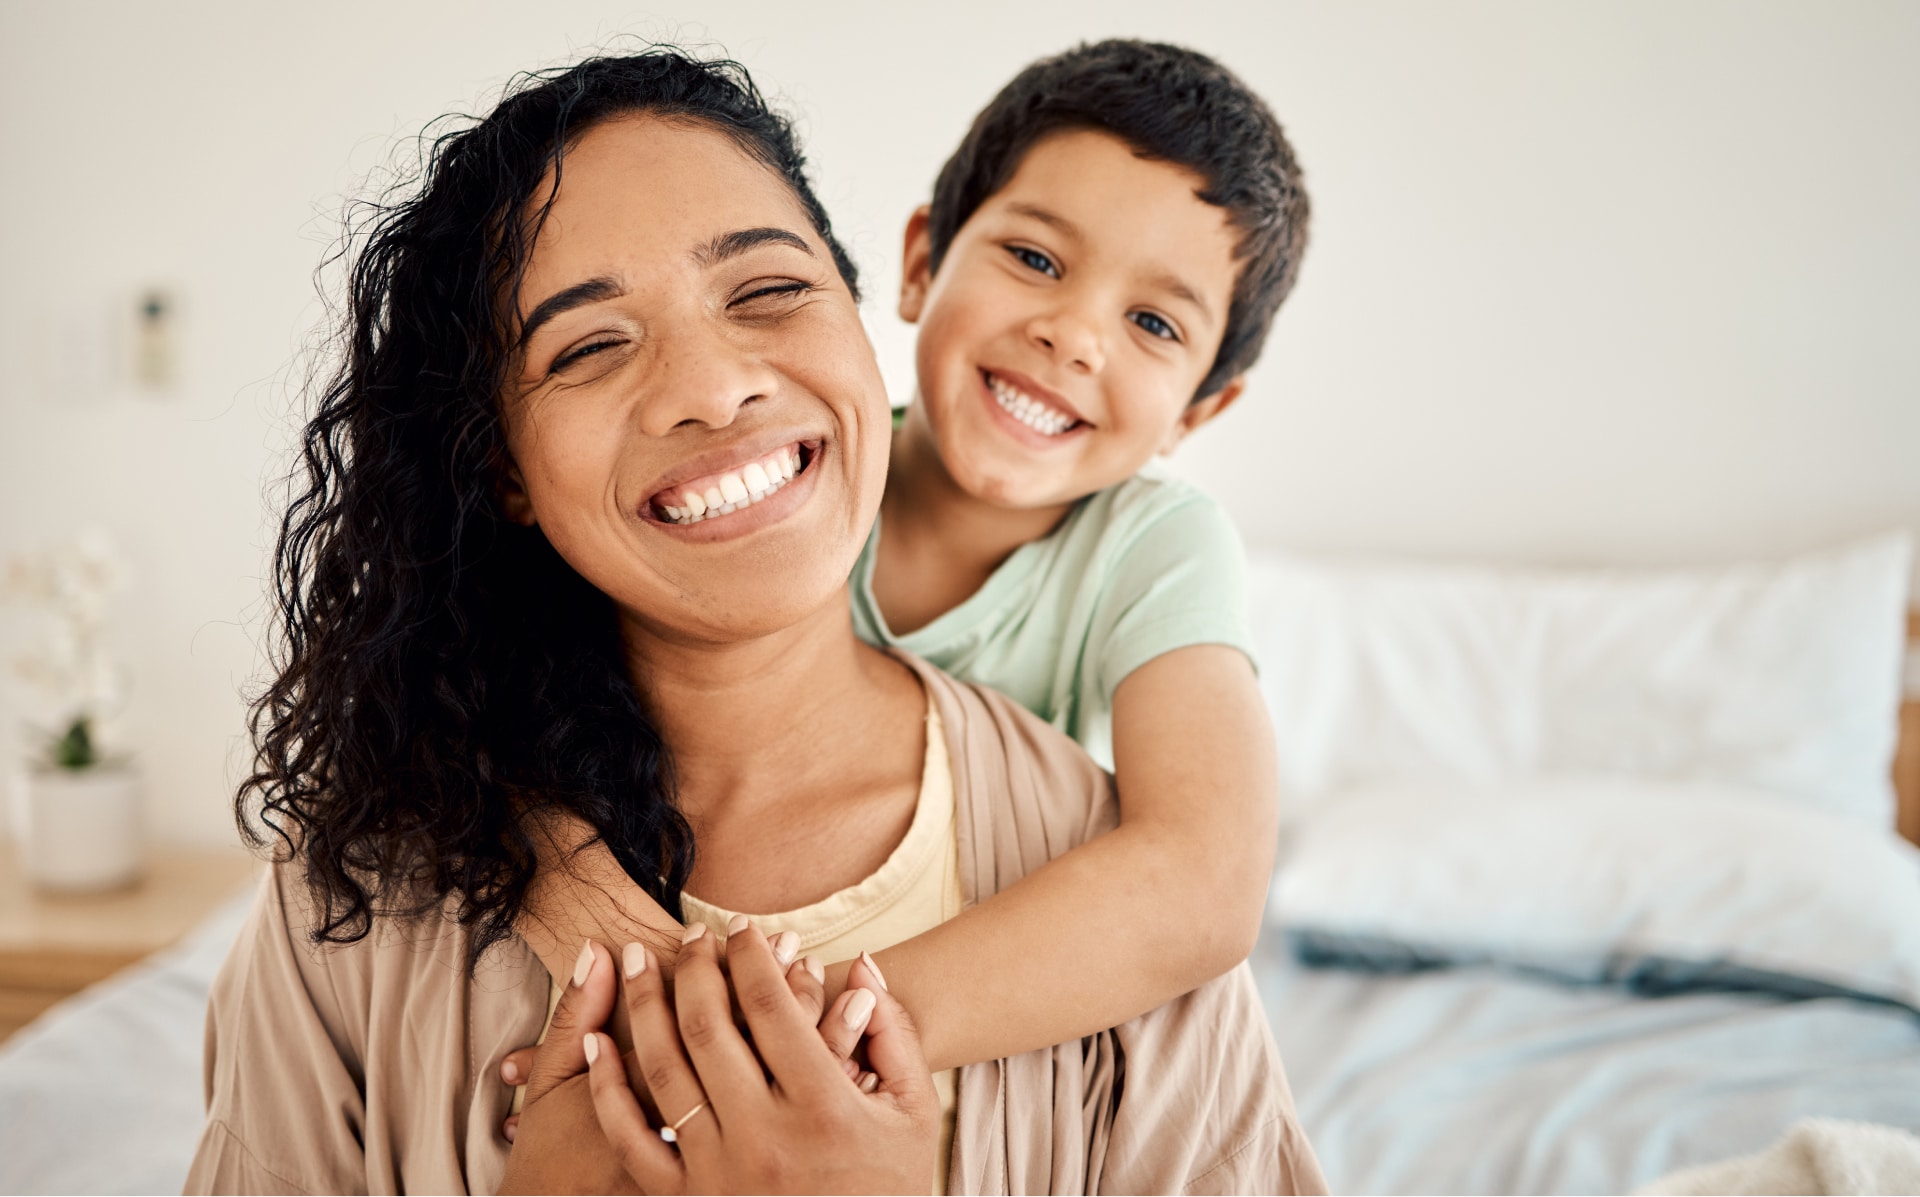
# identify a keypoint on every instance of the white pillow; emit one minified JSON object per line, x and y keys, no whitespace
{"x":1781,"y":677}
{"x":1607,"y":880}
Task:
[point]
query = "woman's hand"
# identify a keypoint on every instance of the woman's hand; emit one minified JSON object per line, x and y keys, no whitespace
{"x":808,"y":978}
{"x":808,"y":1129}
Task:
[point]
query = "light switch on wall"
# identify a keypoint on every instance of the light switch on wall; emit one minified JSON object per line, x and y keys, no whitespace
{"x":156,"y":349}
{"x":123,"y":343}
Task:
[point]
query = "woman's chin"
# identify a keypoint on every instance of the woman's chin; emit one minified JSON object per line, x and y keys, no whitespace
{"x":738,"y":590}
{"x":741,"y":618}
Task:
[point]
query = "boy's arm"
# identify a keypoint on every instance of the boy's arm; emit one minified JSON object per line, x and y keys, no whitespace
{"x":578,"y":895}
{"x":1131,"y":920}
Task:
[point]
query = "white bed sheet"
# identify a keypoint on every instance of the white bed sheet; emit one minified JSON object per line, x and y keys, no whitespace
{"x":1480,"y":1080}
{"x":103,"y":1093}
{"x":1472,"y":1080}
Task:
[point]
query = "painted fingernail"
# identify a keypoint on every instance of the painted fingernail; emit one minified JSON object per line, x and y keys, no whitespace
{"x":785,"y":945}
{"x":859,"y":1008}
{"x":509,"y":1072}
{"x":875,"y":970}
{"x":737,"y":924}
{"x":511,"y":1129}
{"x":583,"y":967}
{"x":816,"y":970}
{"x":868,"y":1082}
{"x":694,"y":931}
{"x":591,"y":1045}
{"x":633,"y":960}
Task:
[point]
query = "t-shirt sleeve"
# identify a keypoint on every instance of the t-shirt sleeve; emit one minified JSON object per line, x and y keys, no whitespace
{"x":285,"y":1112}
{"x":1180,"y":581}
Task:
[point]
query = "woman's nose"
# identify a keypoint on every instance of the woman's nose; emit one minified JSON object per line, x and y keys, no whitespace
{"x":703,"y":379}
{"x":1070,"y":338}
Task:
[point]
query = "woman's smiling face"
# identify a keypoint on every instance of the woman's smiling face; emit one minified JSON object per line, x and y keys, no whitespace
{"x":686,"y":338}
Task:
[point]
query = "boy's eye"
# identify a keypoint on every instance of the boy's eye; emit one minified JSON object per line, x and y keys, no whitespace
{"x":1155,"y":326}
{"x":1033,"y":259}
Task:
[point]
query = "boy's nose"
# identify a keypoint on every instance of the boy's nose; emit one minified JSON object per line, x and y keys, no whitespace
{"x":1070,"y":341}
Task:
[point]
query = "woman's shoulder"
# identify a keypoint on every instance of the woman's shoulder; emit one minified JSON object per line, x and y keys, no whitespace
{"x":292,"y":975}
{"x":309,"y":1039}
{"x":331,"y":980}
{"x":293,"y":909}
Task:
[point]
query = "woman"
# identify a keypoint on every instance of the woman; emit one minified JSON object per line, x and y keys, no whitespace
{"x":613,"y":291}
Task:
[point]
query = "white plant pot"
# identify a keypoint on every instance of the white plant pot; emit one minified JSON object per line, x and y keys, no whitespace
{"x":81,"y":828}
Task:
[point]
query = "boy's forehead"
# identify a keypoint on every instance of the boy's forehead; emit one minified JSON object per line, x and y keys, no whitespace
{"x":1093,"y":189}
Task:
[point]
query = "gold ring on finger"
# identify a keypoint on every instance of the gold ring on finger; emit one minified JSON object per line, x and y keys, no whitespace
{"x":672,"y":1133}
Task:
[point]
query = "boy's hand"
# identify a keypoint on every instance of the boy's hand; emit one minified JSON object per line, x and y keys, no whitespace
{"x":808,"y":1129}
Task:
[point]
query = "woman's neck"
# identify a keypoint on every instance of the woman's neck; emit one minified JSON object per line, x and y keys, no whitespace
{"x":752,"y":722}
{"x":796,"y":757}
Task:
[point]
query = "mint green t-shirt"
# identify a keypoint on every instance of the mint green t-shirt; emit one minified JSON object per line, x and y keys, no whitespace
{"x":1139,"y":569}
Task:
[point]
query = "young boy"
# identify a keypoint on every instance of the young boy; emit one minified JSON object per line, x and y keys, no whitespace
{"x":1100,"y":264}
{"x":1099,"y":267}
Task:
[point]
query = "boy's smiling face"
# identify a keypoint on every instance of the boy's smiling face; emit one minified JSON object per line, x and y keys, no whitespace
{"x":1071,"y":320}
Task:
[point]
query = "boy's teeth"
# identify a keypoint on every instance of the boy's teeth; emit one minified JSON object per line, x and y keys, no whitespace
{"x":734,"y":490}
{"x":1029,"y":411}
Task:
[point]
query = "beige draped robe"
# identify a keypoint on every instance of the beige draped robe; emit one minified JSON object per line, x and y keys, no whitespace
{"x":373,"y":1067}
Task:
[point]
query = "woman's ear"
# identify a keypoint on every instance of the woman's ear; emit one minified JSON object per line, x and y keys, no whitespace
{"x":514,"y":500}
{"x":916,"y":266}
{"x":1202,"y":410}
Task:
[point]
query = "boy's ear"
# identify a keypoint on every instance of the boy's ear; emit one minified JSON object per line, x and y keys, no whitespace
{"x":514,"y":500}
{"x":1200,"y":411}
{"x":916,"y":266}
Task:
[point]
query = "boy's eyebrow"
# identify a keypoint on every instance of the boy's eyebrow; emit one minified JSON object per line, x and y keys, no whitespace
{"x":732,"y":245}
{"x":1047,"y":217}
{"x":1177,"y":287}
{"x":592,"y":291}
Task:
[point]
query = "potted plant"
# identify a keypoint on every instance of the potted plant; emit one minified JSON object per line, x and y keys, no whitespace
{"x":78,"y":816}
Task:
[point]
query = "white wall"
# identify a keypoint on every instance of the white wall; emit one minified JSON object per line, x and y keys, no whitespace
{"x":1589,"y":283}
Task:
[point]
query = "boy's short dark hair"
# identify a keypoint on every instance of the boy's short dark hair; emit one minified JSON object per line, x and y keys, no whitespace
{"x":1170,"y":104}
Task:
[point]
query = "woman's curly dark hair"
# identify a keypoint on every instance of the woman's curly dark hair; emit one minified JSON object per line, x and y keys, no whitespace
{"x":442,"y":675}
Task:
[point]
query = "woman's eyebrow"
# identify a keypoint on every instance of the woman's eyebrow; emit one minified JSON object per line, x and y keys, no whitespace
{"x":592,"y":291}
{"x":726,"y":245}
{"x":732,"y":245}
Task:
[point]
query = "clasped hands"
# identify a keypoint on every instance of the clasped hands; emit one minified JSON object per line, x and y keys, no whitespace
{"x":780,"y":1108}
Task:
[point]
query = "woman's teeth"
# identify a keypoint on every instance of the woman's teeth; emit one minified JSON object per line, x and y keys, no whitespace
{"x":728,"y":493}
{"x":1029,"y":411}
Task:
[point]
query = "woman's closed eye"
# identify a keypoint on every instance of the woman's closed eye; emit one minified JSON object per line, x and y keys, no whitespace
{"x":1034,"y":260}
{"x":582,"y":352}
{"x":771,"y":294}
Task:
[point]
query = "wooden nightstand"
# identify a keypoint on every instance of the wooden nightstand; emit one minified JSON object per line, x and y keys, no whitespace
{"x":54,"y":945}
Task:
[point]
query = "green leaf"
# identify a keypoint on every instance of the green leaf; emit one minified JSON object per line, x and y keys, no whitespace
{"x":75,"y":749}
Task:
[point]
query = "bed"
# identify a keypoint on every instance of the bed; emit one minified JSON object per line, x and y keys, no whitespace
{"x":1588,"y":876}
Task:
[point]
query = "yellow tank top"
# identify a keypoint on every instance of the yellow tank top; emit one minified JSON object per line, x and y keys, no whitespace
{"x":918,"y":888}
